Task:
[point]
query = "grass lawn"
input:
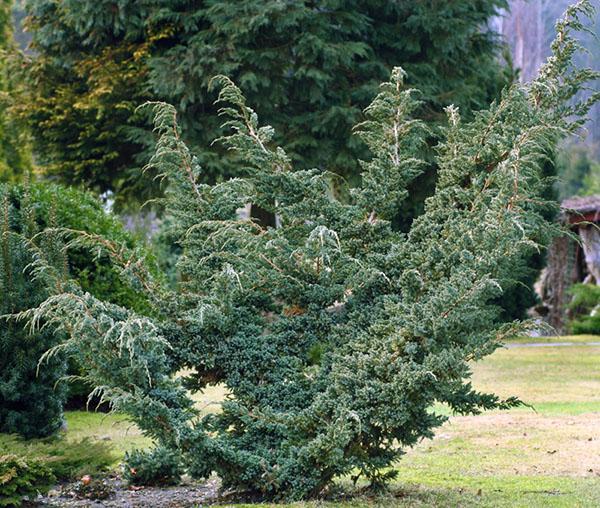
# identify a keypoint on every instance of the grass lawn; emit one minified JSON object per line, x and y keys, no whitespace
{"x":551,"y":340}
{"x":547,"y":455}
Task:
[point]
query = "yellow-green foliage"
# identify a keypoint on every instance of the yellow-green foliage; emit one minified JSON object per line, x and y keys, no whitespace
{"x":22,"y":479}
{"x":15,"y":157}
{"x":66,"y":459}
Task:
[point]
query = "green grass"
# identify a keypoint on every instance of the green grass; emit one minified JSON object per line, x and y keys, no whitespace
{"x":547,"y":457}
{"x":94,"y":443}
{"x":114,"y":429}
{"x":561,"y":379}
{"x":68,"y":459}
{"x":456,"y":491}
{"x":562,"y":338}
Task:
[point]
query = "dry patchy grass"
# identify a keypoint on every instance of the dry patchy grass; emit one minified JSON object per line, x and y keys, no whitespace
{"x":512,"y":444}
{"x":544,"y":376}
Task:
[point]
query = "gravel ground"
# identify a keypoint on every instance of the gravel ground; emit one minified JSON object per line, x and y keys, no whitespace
{"x":120,"y":496}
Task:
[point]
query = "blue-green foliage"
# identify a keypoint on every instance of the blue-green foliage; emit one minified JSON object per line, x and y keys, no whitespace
{"x":334,"y":333}
{"x":159,"y":466}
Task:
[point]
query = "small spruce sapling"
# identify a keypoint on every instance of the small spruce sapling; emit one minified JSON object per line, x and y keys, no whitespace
{"x":31,"y":402}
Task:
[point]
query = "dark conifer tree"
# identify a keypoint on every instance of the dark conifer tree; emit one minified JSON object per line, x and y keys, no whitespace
{"x":309,"y":68}
{"x":31,"y":403}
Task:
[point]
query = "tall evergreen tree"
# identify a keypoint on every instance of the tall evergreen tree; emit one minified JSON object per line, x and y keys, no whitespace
{"x":308,"y":67}
{"x":335,"y":334}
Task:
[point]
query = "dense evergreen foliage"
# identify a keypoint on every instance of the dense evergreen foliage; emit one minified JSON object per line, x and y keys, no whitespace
{"x":308,"y":67}
{"x":158,"y":467}
{"x":334,"y":333}
{"x":31,"y":403}
{"x":584,"y":309}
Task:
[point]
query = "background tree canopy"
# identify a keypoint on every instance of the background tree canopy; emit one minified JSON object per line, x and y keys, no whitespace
{"x":309,"y":68}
